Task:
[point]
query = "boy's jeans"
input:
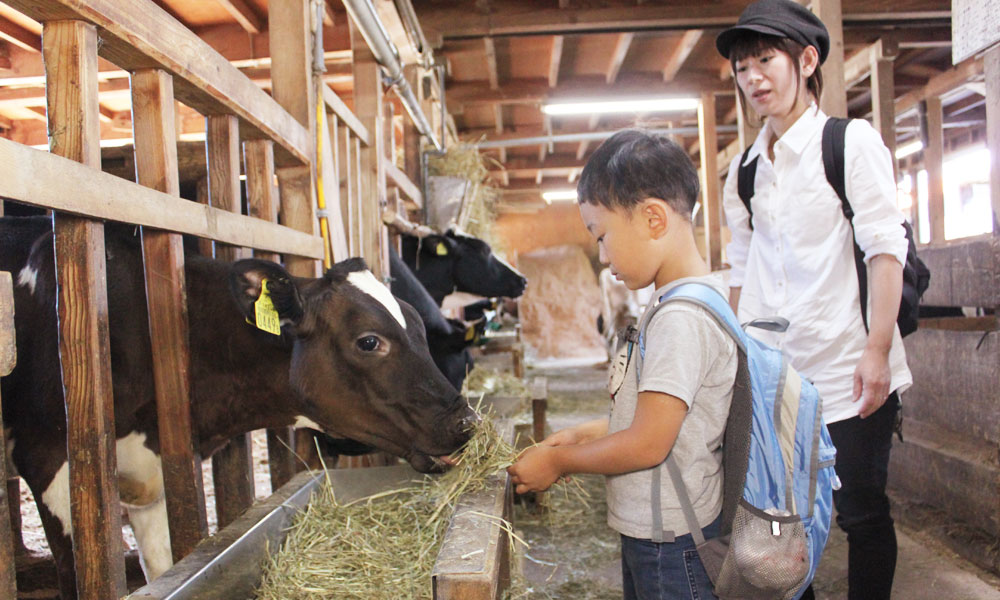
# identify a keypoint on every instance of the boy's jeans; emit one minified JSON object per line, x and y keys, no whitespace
{"x":667,"y":571}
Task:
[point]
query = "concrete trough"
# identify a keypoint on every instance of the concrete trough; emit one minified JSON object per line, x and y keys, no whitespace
{"x":473,"y":563}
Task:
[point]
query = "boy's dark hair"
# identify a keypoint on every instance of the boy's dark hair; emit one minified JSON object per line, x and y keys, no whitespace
{"x":752,"y":44}
{"x":633,"y":165}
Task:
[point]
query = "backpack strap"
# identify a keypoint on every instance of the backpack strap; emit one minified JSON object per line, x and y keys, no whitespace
{"x":736,"y":441}
{"x":834,"y":136}
{"x":746,"y":176}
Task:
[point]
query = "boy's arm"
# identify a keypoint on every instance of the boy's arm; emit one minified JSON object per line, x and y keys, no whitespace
{"x":578,"y":434}
{"x":646,"y":443}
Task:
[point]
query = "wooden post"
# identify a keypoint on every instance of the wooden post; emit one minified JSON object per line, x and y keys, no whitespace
{"x":8,"y":582}
{"x":348,"y":183}
{"x":69,"y":50}
{"x":747,"y":130}
{"x":232,"y":465}
{"x":166,"y":300}
{"x":834,"y":100}
{"x":710,"y":204}
{"x":368,"y":106}
{"x":991,"y":69}
{"x":411,"y":135}
{"x":258,"y":162}
{"x":931,"y":122}
{"x":883,"y":52}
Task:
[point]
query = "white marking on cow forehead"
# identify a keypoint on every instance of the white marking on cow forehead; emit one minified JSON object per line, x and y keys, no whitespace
{"x":56,"y":498}
{"x":28,"y":277}
{"x":307,"y":423}
{"x":366,"y":282}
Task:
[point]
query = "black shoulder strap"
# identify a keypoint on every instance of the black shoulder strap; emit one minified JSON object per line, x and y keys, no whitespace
{"x":746,"y":175}
{"x":834,"y":136}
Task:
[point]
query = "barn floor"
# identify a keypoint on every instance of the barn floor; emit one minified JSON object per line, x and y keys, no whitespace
{"x":575,"y":555}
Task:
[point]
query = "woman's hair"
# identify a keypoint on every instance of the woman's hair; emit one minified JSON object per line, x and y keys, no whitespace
{"x":633,"y":165}
{"x":754,"y":44}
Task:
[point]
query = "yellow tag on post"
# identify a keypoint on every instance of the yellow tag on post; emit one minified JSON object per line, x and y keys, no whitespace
{"x":267,"y":316}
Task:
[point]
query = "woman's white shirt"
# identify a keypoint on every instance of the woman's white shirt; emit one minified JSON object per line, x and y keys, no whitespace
{"x":798,"y":261}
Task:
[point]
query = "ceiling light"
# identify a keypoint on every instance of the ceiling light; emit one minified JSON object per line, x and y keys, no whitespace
{"x":589,"y":107}
{"x":559,"y":196}
{"x":908,"y":149}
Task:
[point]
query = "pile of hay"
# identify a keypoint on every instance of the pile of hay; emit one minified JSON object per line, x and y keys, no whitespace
{"x":492,"y":382}
{"x":385,"y":545}
{"x":464,"y":160}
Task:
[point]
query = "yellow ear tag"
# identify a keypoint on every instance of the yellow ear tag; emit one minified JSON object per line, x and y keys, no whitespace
{"x":441,"y":249}
{"x":267,"y":317}
{"x":470,"y":334}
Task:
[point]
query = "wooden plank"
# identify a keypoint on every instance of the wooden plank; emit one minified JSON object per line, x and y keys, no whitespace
{"x":965,"y":272}
{"x":967,"y":70}
{"x":232,"y":465}
{"x":933,"y":161}
{"x":490,"y":52}
{"x":8,"y":583}
{"x":834,"y":100}
{"x":555,"y":60}
{"x":711,"y":204}
{"x":622,"y":45}
{"x":166,"y":299}
{"x":137,"y":35}
{"x":331,"y":186}
{"x":334,"y":103}
{"x":992,"y":71}
{"x":69,"y":51}
{"x":19,"y":36}
{"x":883,"y":52}
{"x":680,"y":53}
{"x":403,"y":183}
{"x":245,"y":15}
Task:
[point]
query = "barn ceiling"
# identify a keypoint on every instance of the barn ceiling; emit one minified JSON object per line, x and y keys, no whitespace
{"x":505,"y":58}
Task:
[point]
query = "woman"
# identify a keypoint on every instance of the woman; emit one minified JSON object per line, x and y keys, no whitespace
{"x":794,"y":258}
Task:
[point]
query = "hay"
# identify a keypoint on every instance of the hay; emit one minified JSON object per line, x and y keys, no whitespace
{"x":464,"y":160}
{"x":495,"y":383}
{"x":384,"y":545}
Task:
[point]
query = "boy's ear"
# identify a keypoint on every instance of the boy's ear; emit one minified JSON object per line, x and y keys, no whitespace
{"x":657,"y":217}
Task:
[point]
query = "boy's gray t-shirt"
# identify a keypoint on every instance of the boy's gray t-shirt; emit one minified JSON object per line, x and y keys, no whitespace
{"x":687,"y":355}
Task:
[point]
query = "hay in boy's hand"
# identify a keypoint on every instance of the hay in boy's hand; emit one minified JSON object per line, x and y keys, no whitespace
{"x":384,"y":545}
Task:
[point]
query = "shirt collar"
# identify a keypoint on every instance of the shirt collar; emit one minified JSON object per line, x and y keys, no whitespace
{"x":797,"y":136}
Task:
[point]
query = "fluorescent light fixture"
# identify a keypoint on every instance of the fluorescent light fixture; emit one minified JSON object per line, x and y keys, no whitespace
{"x":908,"y":149}
{"x":558,"y":196}
{"x":589,"y":107}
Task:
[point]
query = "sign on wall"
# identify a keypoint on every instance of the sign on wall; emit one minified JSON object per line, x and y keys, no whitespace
{"x":975,"y":26}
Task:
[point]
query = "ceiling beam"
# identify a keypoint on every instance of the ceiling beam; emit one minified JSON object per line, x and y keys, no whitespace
{"x":498,"y":117}
{"x":244,"y":14}
{"x":491,"y":63}
{"x":555,"y":60}
{"x":680,"y":53}
{"x":19,"y":36}
{"x":970,"y":68}
{"x":454,"y":20}
{"x":535,"y":91}
{"x":622,"y":45}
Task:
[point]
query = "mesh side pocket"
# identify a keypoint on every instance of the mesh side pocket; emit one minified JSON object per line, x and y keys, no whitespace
{"x":768,"y":556}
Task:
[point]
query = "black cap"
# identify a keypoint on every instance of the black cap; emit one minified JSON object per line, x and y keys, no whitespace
{"x":782,"y":18}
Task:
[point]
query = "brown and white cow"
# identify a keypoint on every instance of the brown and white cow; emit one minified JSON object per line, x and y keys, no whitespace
{"x":351,"y":361}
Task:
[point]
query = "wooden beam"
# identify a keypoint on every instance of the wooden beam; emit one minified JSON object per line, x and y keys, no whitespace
{"x":19,"y":36}
{"x":136,"y":35}
{"x":498,"y":117}
{"x":403,"y":183}
{"x":166,"y":299}
{"x":555,"y":60}
{"x":967,"y":70}
{"x":536,"y":91}
{"x":933,"y":161}
{"x":335,"y":104}
{"x":884,"y":94}
{"x":622,"y":44}
{"x":991,"y":68}
{"x":711,"y":202}
{"x":680,"y":53}
{"x":491,"y":63}
{"x":859,"y":64}
{"x":70,"y":54}
{"x":834,"y":100}
{"x":245,"y":15}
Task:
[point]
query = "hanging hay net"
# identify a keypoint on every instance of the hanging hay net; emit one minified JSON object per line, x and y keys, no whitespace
{"x":384,"y":545}
{"x":479,"y":205}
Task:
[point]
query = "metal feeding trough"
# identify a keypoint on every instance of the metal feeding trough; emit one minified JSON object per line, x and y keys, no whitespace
{"x":473,"y":563}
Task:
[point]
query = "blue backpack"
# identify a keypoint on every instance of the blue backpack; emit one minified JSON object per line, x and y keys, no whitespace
{"x":777,"y":468}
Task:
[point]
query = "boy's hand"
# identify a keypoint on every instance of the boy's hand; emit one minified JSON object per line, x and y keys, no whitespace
{"x":535,"y":470}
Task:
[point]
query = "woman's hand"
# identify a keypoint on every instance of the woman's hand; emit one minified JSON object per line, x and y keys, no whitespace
{"x":871,"y":380}
{"x":536,"y":469}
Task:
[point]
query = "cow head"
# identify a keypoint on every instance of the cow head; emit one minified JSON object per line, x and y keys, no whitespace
{"x":455,"y":261}
{"x":360,"y":363}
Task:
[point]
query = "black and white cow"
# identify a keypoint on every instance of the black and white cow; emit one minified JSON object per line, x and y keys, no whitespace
{"x":457,"y":262}
{"x":351,"y":361}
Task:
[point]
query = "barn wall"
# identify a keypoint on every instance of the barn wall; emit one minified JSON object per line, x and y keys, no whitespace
{"x":555,"y":225}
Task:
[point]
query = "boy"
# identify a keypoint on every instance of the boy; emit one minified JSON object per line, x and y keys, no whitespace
{"x":637,"y":193}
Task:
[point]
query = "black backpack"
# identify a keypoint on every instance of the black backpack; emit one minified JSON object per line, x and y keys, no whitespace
{"x":916,"y":276}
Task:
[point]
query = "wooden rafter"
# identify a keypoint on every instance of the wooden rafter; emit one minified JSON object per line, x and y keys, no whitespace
{"x":622,"y":45}
{"x":19,"y":36}
{"x":498,"y":117}
{"x":244,"y":14}
{"x":491,"y":63}
{"x":555,"y":60}
{"x":680,"y":53}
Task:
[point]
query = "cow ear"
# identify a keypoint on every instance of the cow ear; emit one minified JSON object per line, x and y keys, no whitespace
{"x":246,"y":280}
{"x":438,"y":245}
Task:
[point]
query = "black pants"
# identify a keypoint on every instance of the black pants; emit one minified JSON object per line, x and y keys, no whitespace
{"x":862,"y":506}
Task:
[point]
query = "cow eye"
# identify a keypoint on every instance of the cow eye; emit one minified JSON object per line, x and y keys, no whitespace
{"x":368,"y":343}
